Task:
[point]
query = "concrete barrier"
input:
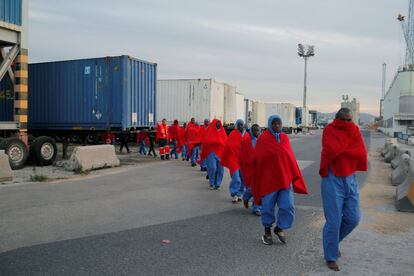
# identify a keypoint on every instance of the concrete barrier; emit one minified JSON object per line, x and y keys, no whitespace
{"x":404,"y":199}
{"x":92,"y":158}
{"x":400,"y":174}
{"x":387,"y":146}
{"x":6,"y":173}
{"x":397,"y":160}
{"x":392,"y":153}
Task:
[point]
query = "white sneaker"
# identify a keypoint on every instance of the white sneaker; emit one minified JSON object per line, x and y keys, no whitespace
{"x":235,"y":199}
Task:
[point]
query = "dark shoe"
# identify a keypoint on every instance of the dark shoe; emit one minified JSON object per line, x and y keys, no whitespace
{"x":246,"y":204}
{"x":239,"y":199}
{"x":332,"y":265}
{"x":258,"y":213}
{"x":193,"y":165}
{"x":168,"y":157}
{"x":207,"y":177}
{"x":162,"y":157}
{"x":212,"y":188}
{"x":267,"y":237}
{"x":280,"y":234}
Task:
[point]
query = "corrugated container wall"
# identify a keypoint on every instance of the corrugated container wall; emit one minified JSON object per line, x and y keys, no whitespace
{"x":98,"y":93}
{"x":286,"y":111}
{"x":6,"y":99}
{"x":240,"y":107}
{"x":259,"y":114}
{"x":182,"y":99}
{"x":11,"y":11}
{"x":230,"y":104}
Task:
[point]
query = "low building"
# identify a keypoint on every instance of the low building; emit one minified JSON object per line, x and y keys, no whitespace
{"x":398,"y":104}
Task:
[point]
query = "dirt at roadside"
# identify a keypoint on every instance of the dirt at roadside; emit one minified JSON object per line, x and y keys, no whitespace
{"x":58,"y":173}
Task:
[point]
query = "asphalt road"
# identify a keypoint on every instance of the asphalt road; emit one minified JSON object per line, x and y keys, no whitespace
{"x":115,"y":225}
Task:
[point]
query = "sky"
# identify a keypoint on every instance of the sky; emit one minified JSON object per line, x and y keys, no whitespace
{"x":249,"y":44}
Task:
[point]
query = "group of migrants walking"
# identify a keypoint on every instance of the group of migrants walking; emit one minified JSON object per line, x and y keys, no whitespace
{"x":265,"y":173}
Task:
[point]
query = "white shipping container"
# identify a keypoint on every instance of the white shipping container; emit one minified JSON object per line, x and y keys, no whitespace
{"x":286,"y":111}
{"x":259,"y":114}
{"x":230,"y":104}
{"x":182,"y":99}
{"x":240,"y":107}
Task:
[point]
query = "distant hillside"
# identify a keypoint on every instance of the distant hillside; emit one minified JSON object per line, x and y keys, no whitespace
{"x":365,"y":118}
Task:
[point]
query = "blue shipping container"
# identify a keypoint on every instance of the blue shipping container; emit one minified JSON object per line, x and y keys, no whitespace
{"x":6,"y":99}
{"x":11,"y":11}
{"x":92,"y":94}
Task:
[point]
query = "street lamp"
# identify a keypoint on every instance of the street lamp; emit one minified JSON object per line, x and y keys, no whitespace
{"x":305,"y":51}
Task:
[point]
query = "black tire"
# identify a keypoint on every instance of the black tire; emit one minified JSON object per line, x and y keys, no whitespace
{"x":16,"y":150}
{"x":43,"y":151}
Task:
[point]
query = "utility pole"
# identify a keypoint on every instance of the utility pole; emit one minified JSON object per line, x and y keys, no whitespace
{"x":384,"y":75}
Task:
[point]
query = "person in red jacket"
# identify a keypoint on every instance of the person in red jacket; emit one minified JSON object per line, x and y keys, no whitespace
{"x":174,"y":129}
{"x":276,"y":177}
{"x":343,"y":154}
{"x":230,"y":160}
{"x":162,"y":138}
{"x":213,"y":146}
{"x":246,"y":167}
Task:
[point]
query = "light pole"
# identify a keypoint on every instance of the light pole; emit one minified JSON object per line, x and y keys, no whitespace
{"x":305,"y":51}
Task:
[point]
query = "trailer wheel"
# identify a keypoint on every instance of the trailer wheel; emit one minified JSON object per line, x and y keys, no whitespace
{"x":43,"y":151}
{"x":16,"y":150}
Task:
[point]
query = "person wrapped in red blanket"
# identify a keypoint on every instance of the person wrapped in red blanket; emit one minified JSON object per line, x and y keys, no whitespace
{"x":182,"y":141}
{"x":201,"y":134}
{"x":343,"y":154}
{"x":142,"y":138}
{"x":276,"y":177}
{"x":193,"y":148}
{"x":213,"y":146}
{"x":230,"y":160}
{"x":246,"y":167}
{"x":174,"y":129}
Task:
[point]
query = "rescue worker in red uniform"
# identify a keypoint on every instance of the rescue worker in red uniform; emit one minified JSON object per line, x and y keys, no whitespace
{"x":162,"y":139}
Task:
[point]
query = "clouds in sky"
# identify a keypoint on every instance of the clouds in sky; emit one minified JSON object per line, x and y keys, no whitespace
{"x":250,"y":44}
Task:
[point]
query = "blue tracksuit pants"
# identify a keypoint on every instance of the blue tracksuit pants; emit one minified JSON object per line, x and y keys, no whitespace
{"x":247,"y":196}
{"x":286,"y":213}
{"x":215,"y":170}
{"x":236,"y":184}
{"x":184,"y":152}
{"x":340,"y":197}
{"x":174,"y":150}
{"x":203,"y":164}
{"x":194,"y":155}
{"x":142,"y":149}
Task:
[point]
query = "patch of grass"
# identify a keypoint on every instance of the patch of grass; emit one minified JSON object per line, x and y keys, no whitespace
{"x":38,"y":178}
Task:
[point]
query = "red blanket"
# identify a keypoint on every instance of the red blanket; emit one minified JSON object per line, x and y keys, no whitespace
{"x":275,"y":167}
{"x":181,"y":137}
{"x":214,"y":140}
{"x":191,"y":134}
{"x":343,"y":149}
{"x":174,"y":129}
{"x":246,"y":161}
{"x":231,"y":152}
